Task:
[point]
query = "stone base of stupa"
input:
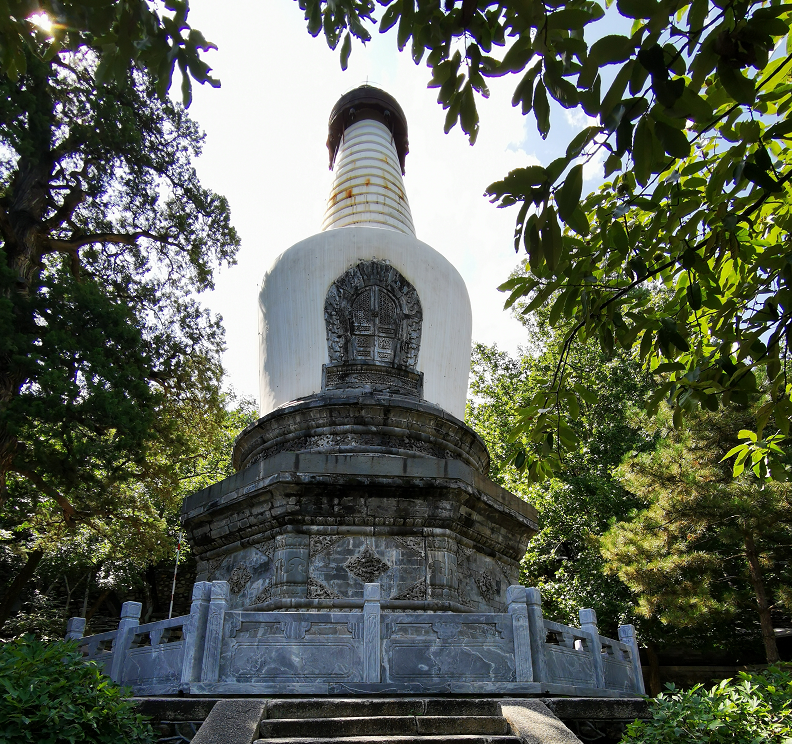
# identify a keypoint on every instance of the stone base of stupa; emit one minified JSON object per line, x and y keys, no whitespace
{"x":360,"y":550}
{"x":341,"y":490}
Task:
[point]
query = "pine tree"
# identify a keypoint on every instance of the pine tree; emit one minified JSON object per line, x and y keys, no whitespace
{"x":106,"y":236}
{"x":708,"y":549}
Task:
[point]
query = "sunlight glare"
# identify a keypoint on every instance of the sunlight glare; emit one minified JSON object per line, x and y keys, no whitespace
{"x":42,"y":20}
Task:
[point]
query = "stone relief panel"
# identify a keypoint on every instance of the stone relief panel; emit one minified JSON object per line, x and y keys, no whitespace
{"x":373,"y":315}
{"x":249,"y":573}
{"x":482,"y":580}
{"x":416,"y":592}
{"x":333,"y":566}
{"x":348,"y":562}
{"x":239,"y":578}
{"x":317,"y":590}
{"x":419,"y":648}
{"x":283,"y":652}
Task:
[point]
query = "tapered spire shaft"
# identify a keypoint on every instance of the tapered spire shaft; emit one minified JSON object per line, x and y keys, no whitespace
{"x":368,"y":144}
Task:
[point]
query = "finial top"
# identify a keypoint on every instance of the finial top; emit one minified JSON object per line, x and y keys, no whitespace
{"x":368,"y":102}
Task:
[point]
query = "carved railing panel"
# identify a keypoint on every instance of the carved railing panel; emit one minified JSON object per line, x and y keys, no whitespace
{"x":214,"y":650}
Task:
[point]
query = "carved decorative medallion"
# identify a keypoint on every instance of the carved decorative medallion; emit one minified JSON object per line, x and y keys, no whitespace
{"x":416,"y":592}
{"x":366,"y":565}
{"x":486,"y":585}
{"x":373,"y":314}
{"x":239,"y":579}
{"x":318,"y":590}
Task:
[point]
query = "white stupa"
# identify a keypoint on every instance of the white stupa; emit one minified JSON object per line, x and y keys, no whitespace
{"x":367,"y":219}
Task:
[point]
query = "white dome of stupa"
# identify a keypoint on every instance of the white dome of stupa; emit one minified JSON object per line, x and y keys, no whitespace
{"x":368,"y":219}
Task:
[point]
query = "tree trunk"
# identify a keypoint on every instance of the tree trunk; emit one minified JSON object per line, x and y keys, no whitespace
{"x":85,"y":598}
{"x":654,"y":671}
{"x":96,"y":605}
{"x":23,"y":228}
{"x":23,"y":252}
{"x":18,"y":584}
{"x":757,"y":581}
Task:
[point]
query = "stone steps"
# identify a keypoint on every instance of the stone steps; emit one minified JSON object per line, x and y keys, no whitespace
{"x":377,"y":721}
{"x":382,"y":725}
{"x":365,"y":707}
{"x":391,"y":739}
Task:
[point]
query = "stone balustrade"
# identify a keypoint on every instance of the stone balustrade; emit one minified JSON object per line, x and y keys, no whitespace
{"x":216,"y":650}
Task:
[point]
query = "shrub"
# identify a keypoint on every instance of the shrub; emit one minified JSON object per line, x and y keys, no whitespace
{"x":757,"y":708}
{"x":50,"y":695}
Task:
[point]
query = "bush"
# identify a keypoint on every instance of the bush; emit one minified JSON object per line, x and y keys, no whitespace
{"x":757,"y":708}
{"x":50,"y":695}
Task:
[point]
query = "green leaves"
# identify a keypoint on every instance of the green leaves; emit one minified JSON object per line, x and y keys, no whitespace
{"x":637,"y":8}
{"x":568,"y":197}
{"x":346,"y":48}
{"x":46,"y":684}
{"x":737,"y":85}
{"x":745,"y":710}
{"x":673,"y":255}
{"x":645,"y":151}
{"x":693,"y":293}
{"x":541,"y":108}
{"x":672,"y":139}
{"x":123,"y":35}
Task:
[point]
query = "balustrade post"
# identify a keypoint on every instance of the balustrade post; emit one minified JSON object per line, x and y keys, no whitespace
{"x":218,"y":603}
{"x":372,"y":662}
{"x":533,"y":599}
{"x":194,"y":631}
{"x":515,"y":599}
{"x":627,"y":637}
{"x":75,"y":628}
{"x":130,"y":619}
{"x":588,"y":622}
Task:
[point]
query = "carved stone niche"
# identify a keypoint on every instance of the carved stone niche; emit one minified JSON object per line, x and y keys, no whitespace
{"x":373,"y":318}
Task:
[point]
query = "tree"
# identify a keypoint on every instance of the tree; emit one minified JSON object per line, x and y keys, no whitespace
{"x":707,"y":548}
{"x":133,"y":33}
{"x":85,"y":568}
{"x":690,"y":108}
{"x":106,"y":235}
{"x":576,"y":505}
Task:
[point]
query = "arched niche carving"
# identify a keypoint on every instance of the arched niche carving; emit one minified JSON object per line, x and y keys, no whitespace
{"x":373,"y":315}
{"x":373,"y":319}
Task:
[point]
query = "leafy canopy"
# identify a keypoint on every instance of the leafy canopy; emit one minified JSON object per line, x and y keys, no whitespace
{"x":106,"y":356}
{"x":150,"y":35}
{"x":690,"y":107}
{"x":577,"y":504}
{"x":103,"y":341}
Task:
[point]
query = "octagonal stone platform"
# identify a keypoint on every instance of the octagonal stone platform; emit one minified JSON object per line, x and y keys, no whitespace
{"x":306,"y":529}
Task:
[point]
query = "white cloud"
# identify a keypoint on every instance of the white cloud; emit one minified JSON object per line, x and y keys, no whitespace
{"x":594,"y":167}
{"x":578,"y":118}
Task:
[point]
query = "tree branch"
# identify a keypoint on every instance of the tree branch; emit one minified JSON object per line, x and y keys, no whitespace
{"x":69,"y":512}
{"x":73,"y":245}
{"x":71,"y":201}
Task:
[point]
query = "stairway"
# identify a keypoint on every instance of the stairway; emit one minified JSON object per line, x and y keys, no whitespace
{"x":380,"y":721}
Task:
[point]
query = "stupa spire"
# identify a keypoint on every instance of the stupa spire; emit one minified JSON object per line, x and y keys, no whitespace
{"x":368,"y":143}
